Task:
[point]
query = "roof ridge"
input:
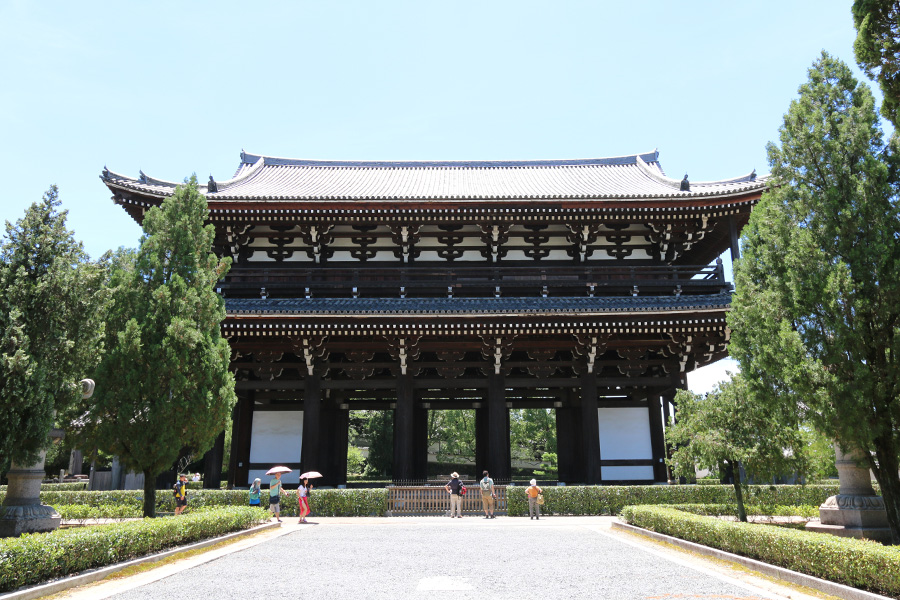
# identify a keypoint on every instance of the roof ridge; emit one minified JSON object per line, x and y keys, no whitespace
{"x":628,"y":159}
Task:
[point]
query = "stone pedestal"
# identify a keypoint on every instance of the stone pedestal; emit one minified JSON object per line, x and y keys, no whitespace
{"x":856,"y":511}
{"x":22,"y":511}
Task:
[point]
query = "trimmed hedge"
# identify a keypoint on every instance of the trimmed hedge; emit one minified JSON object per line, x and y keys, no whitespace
{"x":332,"y":503}
{"x":39,"y":557}
{"x":610,"y":500}
{"x":730,"y":510}
{"x":861,"y":564}
{"x":82,"y":512}
{"x":72,"y":486}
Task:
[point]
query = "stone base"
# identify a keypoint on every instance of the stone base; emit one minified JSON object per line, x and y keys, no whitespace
{"x":878,"y":534}
{"x":29,"y":518}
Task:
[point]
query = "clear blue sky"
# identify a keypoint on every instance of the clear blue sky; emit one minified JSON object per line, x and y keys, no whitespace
{"x":175,"y":88}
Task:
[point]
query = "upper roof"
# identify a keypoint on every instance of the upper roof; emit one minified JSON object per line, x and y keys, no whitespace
{"x":269,"y":178}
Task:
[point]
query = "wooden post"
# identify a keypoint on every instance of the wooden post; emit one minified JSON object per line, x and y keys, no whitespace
{"x":498,"y":458}
{"x":735,"y":245}
{"x":212,"y":464}
{"x":312,"y":408}
{"x":590,"y":427}
{"x":657,"y":438}
{"x":420,"y":444}
{"x":404,"y":431}
{"x":569,"y":442}
{"x":239,"y":467}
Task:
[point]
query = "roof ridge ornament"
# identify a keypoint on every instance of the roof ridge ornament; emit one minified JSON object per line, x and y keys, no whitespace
{"x":212,"y":187}
{"x":141,"y":177}
{"x":753,"y":175}
{"x":685,"y":184}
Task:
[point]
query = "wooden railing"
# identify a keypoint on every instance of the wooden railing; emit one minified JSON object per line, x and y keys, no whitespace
{"x":435,"y":501}
{"x":332,"y":281}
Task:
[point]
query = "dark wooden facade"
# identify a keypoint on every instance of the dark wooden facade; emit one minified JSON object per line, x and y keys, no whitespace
{"x":591,"y":287}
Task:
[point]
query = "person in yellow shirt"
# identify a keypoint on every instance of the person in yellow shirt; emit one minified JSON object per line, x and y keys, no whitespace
{"x":534,"y":509}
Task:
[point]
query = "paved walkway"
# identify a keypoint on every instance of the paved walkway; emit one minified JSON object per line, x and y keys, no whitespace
{"x":437,"y":557}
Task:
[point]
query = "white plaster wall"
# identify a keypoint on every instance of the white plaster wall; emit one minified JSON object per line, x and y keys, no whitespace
{"x":625,"y":435}
{"x":276,"y":437}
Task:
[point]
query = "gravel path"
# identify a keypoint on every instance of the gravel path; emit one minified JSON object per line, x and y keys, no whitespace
{"x":445,"y":558}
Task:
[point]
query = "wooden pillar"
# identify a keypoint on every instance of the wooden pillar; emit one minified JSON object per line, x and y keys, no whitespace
{"x":310,"y":460}
{"x":498,"y":458}
{"x":735,"y":245}
{"x":335,"y":423}
{"x":590,"y":430}
{"x":212,"y":464}
{"x":404,"y":431}
{"x":568,"y":441}
{"x":657,"y":438}
{"x":482,"y":435}
{"x":420,"y":444}
{"x":239,"y":464}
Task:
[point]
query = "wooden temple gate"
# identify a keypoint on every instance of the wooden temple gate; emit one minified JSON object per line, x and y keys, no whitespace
{"x":589,"y":287}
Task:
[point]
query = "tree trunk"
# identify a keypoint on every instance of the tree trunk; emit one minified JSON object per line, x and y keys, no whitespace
{"x":149,"y":494}
{"x":886,"y":473}
{"x":738,"y":492}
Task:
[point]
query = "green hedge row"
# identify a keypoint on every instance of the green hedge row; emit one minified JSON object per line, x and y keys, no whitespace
{"x":82,"y":512}
{"x":730,"y":510}
{"x":57,"y":487}
{"x":610,"y":500}
{"x":333,"y":503}
{"x":35,"y":558}
{"x":858,"y":563}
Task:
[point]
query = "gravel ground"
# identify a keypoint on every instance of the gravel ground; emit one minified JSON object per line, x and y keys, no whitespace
{"x":444,"y":558}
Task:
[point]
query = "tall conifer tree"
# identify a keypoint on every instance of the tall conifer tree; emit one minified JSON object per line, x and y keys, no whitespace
{"x":50,"y":326}
{"x":816,"y":315}
{"x":164,"y":384}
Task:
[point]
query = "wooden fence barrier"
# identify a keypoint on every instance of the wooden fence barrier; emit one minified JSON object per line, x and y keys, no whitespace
{"x":434,"y":500}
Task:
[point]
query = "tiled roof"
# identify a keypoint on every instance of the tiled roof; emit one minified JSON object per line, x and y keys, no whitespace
{"x":586,"y":306}
{"x":267,"y":178}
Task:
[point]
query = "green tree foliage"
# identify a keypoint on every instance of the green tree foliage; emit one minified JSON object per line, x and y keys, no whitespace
{"x":453,"y":432}
{"x":724,"y":426}
{"x":379,"y":430}
{"x":532,"y":432}
{"x":877,"y":49}
{"x":817,"y":309}
{"x":164,"y":388}
{"x":50,"y":327}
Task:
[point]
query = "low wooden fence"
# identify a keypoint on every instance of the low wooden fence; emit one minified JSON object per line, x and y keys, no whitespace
{"x":434,"y":500}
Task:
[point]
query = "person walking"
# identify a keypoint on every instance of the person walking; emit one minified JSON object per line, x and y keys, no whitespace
{"x":533,"y":491}
{"x":255,"y":492}
{"x":179,"y":490}
{"x":275,"y":490}
{"x":303,"y":492}
{"x":487,"y":496}
{"x":454,"y":487}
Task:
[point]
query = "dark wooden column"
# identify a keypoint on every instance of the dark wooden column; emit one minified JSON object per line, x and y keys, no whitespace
{"x":404,"y":430}
{"x":212,"y":464}
{"x":667,"y":417}
{"x":498,"y":458}
{"x":310,"y":459}
{"x":590,"y":430}
{"x":239,"y":464}
{"x":333,"y":454}
{"x":735,"y":245}
{"x":420,"y":443}
{"x":568,"y":441}
{"x":657,"y":437}
{"x":482,"y":434}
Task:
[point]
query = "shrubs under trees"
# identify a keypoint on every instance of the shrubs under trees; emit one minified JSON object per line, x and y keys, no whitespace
{"x":35,"y":558}
{"x":858,"y":563}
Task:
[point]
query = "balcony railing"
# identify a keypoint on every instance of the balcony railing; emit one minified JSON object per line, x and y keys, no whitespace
{"x":472,"y":281}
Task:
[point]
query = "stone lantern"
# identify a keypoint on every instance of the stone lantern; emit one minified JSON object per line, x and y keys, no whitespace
{"x":855,"y":511}
{"x":22,"y":511}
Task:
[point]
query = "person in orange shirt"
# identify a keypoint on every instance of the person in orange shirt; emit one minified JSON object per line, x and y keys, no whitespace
{"x":534,"y":510}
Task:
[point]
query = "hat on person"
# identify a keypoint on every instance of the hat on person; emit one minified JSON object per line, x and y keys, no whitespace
{"x":454,"y":475}
{"x":257,"y":480}
{"x":533,"y":482}
{"x":182,"y":475}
